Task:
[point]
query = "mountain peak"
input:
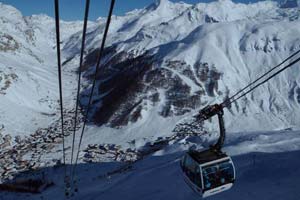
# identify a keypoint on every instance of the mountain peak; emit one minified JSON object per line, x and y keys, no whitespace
{"x":9,"y":11}
{"x":162,"y":2}
{"x":159,"y":5}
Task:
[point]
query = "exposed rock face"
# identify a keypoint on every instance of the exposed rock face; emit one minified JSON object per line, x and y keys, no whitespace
{"x":127,"y":85}
{"x":118,"y":98}
{"x":6,"y":80}
{"x":8,"y":43}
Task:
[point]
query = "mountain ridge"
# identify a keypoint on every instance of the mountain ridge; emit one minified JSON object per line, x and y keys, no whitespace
{"x":233,"y":32}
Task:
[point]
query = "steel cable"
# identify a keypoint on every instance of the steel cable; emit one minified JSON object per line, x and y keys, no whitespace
{"x":259,"y":78}
{"x":79,"y":74}
{"x":273,"y":75}
{"x":262,"y":76}
{"x":99,"y":58}
{"x":56,"y":5}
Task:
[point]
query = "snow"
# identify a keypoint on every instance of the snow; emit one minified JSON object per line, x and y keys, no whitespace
{"x":33,"y":95}
{"x":261,"y":31}
{"x":247,"y":40}
{"x":241,"y":41}
{"x":268,"y":172}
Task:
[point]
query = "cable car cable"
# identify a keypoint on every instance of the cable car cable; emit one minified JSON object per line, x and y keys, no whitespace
{"x":86,"y":14}
{"x":87,"y":5}
{"x":56,"y":5}
{"x":94,"y":80}
{"x":211,"y":110}
{"x":217,"y":109}
{"x":272,"y":76}
{"x":262,"y":76}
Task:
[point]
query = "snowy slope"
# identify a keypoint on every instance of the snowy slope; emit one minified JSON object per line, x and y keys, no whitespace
{"x":245,"y":56}
{"x":29,"y":70}
{"x":264,"y":171}
{"x":185,"y":41}
{"x":182,"y":42}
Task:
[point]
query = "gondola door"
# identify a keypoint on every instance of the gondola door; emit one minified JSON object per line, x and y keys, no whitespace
{"x":192,"y":174}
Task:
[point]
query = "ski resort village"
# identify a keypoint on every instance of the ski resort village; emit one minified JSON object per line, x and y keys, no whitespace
{"x":150,"y":100}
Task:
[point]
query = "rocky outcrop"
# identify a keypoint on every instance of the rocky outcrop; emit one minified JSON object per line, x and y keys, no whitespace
{"x":6,"y":79}
{"x":8,"y":43}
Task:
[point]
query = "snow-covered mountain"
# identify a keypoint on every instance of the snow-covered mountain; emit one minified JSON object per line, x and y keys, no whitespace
{"x":163,"y":63}
{"x":28,"y":70}
{"x":170,"y":59}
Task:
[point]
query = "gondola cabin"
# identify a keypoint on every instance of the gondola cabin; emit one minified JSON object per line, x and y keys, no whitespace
{"x":208,"y":172}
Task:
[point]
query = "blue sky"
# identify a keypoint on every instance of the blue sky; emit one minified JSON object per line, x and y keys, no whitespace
{"x":73,"y":9}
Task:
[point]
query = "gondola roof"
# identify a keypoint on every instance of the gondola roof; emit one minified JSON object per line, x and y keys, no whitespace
{"x":206,"y":156}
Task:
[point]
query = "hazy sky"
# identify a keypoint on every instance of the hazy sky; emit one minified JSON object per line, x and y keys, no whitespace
{"x":73,"y":9}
